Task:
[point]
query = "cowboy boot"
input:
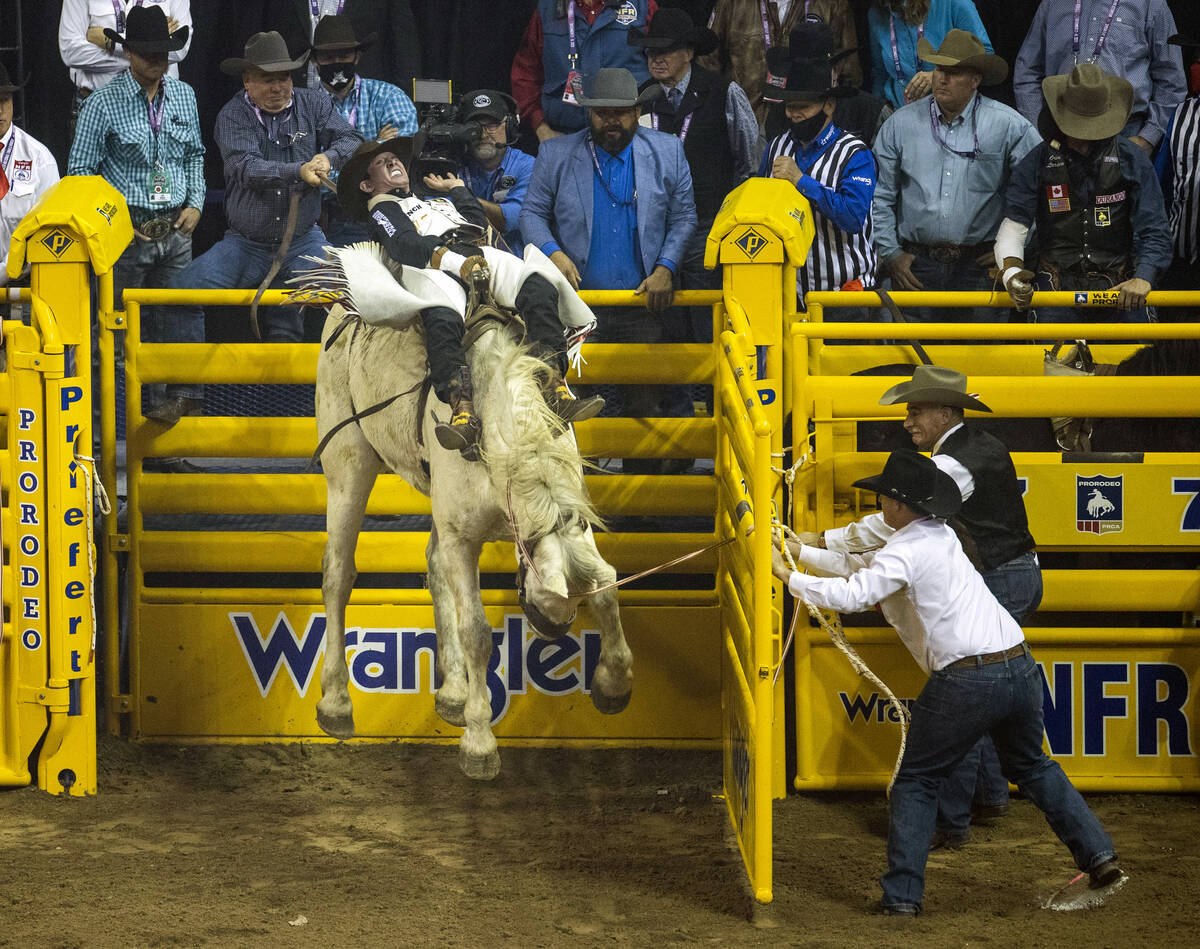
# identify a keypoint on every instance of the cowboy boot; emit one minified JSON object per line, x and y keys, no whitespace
{"x":477,"y":276}
{"x":463,"y":432}
{"x":566,"y":405}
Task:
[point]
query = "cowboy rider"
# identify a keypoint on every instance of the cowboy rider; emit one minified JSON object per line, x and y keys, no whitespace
{"x":445,"y":232}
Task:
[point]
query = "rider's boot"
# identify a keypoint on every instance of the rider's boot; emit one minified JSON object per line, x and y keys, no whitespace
{"x":463,"y":432}
{"x":566,"y":405}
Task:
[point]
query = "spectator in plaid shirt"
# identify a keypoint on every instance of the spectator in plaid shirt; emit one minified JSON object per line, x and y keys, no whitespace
{"x":141,"y":132}
{"x":377,"y":109}
{"x":275,"y":141}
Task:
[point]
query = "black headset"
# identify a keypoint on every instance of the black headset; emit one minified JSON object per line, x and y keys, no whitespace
{"x":512,"y":121}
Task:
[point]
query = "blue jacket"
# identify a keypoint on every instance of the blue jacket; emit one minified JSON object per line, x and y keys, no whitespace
{"x":558,"y":204}
{"x":599,"y":46}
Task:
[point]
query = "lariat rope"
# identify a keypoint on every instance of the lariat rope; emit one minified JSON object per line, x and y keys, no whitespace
{"x":832,"y":624}
{"x":86,"y":464}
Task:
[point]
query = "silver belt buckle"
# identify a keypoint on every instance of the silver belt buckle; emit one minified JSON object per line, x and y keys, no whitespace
{"x":157,"y":228}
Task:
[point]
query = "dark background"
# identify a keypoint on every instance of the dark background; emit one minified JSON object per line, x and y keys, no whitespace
{"x":470,"y":42}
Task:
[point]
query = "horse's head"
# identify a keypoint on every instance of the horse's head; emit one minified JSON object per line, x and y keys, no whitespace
{"x":545,"y":588}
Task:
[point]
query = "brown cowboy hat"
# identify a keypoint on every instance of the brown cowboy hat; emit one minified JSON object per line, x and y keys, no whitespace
{"x":350,"y":196}
{"x":673,"y":29}
{"x":913,"y":479}
{"x":1088,"y":103}
{"x":335,"y":34}
{"x":265,"y":51}
{"x":960,"y":48}
{"x":935,"y":384}
{"x":147,"y":31}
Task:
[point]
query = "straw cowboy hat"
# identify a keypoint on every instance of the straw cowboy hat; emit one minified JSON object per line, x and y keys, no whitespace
{"x":935,"y":384}
{"x":614,"y":88}
{"x":351,"y":197}
{"x":335,"y":34}
{"x":960,"y":48}
{"x":147,"y":31}
{"x":913,"y":479}
{"x":1089,"y":104}
{"x":673,"y":29}
{"x":265,"y":51}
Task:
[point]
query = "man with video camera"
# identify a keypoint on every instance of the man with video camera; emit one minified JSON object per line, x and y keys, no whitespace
{"x":495,"y":172}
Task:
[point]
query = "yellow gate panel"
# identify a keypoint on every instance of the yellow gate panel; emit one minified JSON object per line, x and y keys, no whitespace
{"x":253,"y":672}
{"x":1118,"y":714}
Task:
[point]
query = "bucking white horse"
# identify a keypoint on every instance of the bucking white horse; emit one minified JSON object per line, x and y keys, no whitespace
{"x":530,"y":480}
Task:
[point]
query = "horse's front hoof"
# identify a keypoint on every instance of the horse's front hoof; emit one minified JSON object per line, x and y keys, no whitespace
{"x":451,"y":711}
{"x":610,"y":704}
{"x":336,"y":725}
{"x":479,"y":767}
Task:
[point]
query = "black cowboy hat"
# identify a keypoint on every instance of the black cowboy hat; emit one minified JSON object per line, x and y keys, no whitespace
{"x":350,"y":196}
{"x":265,"y":51}
{"x":811,"y":80}
{"x":673,"y":29}
{"x":147,"y":31}
{"x":913,"y":479}
{"x":810,"y":39}
{"x":335,"y":34}
{"x":1178,"y":39}
{"x":6,"y":84}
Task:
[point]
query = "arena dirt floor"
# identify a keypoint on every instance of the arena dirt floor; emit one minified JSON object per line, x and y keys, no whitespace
{"x":387,"y":845}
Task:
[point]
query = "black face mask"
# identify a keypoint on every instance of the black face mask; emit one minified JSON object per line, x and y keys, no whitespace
{"x":807,"y":129}
{"x":338,"y":75}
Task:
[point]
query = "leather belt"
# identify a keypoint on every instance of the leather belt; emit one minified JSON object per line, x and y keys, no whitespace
{"x":946,"y":253}
{"x":988,"y":658}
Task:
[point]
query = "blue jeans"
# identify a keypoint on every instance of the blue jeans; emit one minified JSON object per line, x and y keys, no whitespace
{"x":955,"y":709}
{"x":153,"y":265}
{"x":1017,"y":585}
{"x":961,"y":274}
{"x":236,"y":262}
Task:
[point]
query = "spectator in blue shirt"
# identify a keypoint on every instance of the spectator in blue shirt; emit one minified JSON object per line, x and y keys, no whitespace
{"x":377,"y":110}
{"x":141,"y":132}
{"x":495,"y":172}
{"x":276,"y":143}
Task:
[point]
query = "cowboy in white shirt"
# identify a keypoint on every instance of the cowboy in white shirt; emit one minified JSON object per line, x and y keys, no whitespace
{"x":28,"y":167}
{"x":92,"y":56}
{"x":982,"y":677}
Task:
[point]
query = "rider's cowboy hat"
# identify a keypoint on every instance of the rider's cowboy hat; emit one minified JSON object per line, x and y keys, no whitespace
{"x":673,"y":29}
{"x":913,"y":479}
{"x":935,"y":384}
{"x":265,"y":51}
{"x":809,"y":40}
{"x":147,"y":31}
{"x":614,"y":88}
{"x":1088,"y":103}
{"x":351,"y":197}
{"x":335,"y":34}
{"x":960,"y":48}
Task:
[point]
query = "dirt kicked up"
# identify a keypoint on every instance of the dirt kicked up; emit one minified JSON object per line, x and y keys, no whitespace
{"x":350,"y":845}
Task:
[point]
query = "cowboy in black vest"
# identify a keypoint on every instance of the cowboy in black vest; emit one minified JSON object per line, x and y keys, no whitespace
{"x":994,"y":521}
{"x":1101,"y":224}
{"x":712,"y":117}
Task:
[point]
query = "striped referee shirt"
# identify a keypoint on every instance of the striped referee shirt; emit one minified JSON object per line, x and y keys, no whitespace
{"x":1179,"y":168}
{"x":838,"y":179}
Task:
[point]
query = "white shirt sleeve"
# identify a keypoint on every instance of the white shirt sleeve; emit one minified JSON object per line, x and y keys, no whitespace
{"x":868,"y":533}
{"x":887,"y":573}
{"x":181,"y":10}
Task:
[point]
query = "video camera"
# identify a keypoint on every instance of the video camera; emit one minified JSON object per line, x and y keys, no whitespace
{"x":441,"y":144}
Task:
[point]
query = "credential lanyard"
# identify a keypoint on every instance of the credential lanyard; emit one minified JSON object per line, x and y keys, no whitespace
{"x":9,"y":151}
{"x":353,"y":117}
{"x":935,"y":124}
{"x":687,"y":124}
{"x":1076,"y":33}
{"x":316,"y":7}
{"x":896,"y":46}
{"x":119,"y":12}
{"x":617,"y":202}
{"x":572,"y":53}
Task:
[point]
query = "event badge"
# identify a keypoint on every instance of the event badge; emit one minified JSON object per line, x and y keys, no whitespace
{"x":573,"y":89}
{"x":160,"y":186}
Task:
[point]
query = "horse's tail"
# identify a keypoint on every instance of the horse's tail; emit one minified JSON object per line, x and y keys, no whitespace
{"x":533,"y":465}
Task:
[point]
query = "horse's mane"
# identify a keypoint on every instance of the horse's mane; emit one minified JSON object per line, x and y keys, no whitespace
{"x":528,"y":457}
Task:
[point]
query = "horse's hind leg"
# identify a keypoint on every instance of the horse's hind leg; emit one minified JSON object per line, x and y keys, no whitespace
{"x":612,"y":681}
{"x":350,"y":468}
{"x":451,"y":697}
{"x":458,"y":563}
